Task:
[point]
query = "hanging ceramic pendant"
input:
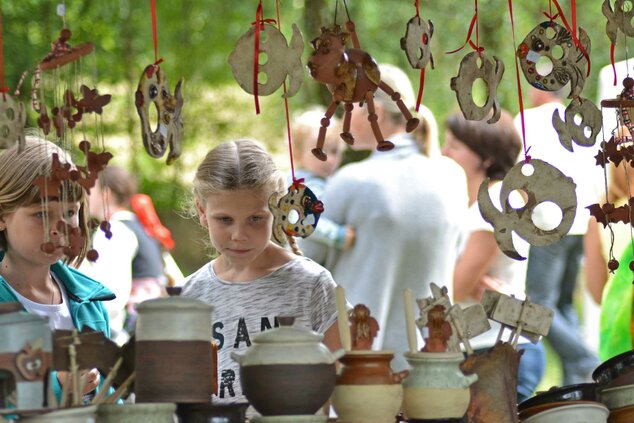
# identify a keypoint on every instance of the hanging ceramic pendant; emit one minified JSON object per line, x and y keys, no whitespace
{"x":296,"y":213}
{"x":416,"y":42}
{"x":569,"y":130}
{"x":12,"y":121}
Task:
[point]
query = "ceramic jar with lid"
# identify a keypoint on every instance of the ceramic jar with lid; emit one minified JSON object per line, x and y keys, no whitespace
{"x":436,"y":388}
{"x":287,"y":371}
{"x":174,"y":330}
{"x":367,"y":389}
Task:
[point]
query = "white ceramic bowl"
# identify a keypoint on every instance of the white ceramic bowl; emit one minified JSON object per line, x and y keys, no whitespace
{"x":577,"y":413}
{"x":618,"y":397}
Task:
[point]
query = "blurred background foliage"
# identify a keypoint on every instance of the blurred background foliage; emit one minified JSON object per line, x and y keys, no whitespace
{"x":195,"y":37}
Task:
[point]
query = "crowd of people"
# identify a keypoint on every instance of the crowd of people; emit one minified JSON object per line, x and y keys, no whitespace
{"x":399,"y":219}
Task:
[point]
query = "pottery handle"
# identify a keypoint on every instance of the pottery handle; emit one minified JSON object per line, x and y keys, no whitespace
{"x":400,"y":376}
{"x":469,"y":380}
{"x":338,"y":354}
{"x":237,"y":357}
{"x":342,"y":318}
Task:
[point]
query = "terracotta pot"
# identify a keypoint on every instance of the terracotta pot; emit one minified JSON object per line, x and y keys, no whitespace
{"x":436,"y":388}
{"x":287,"y":371}
{"x":535,"y":409}
{"x":367,"y":389}
{"x":587,"y":412}
{"x":136,"y":413}
{"x":169,"y":328}
{"x":622,"y":415}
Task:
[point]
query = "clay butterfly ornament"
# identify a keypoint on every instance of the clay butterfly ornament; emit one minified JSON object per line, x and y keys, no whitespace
{"x":296,"y":213}
{"x":569,"y":61}
{"x":154,"y":89}
{"x":283,"y":60}
{"x":542,"y":183}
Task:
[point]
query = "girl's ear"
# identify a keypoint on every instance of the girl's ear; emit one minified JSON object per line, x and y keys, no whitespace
{"x":202,"y":217}
{"x":3,"y":223}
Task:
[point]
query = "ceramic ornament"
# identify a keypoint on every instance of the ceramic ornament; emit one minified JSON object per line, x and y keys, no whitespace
{"x":465,"y":323}
{"x":296,"y":213}
{"x":541,"y":182}
{"x":96,"y":162}
{"x":282,"y":60}
{"x":570,"y":66}
{"x":438,"y":330}
{"x":153,"y":89}
{"x":619,"y":18}
{"x":568,"y":130}
{"x":12,"y":122}
{"x":526,"y":318}
{"x":363,"y":328}
{"x":416,"y":42}
{"x":352,"y":76}
{"x":477,"y":65}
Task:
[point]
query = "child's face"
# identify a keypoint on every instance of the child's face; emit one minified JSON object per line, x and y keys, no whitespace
{"x":333,"y":149}
{"x":239,"y":223}
{"x":25,"y":230}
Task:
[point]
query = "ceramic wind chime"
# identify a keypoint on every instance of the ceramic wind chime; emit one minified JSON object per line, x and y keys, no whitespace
{"x":477,"y":65}
{"x":154,"y":89}
{"x":352,"y":76}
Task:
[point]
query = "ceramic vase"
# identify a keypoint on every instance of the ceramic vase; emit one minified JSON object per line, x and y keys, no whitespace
{"x":367,"y":390}
{"x":174,"y":360}
{"x":287,"y":371}
{"x":136,"y":413}
{"x":436,"y":388}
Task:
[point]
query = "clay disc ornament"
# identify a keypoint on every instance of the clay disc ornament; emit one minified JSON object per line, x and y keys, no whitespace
{"x":416,"y":42}
{"x":282,"y":59}
{"x":568,"y":130}
{"x":154,"y":88}
{"x":477,"y":65}
{"x":542,"y":183}
{"x":296,"y":213}
{"x":12,"y":121}
{"x":555,"y":42}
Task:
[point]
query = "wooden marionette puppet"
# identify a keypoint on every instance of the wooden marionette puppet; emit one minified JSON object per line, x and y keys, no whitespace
{"x":55,"y":80}
{"x":352,"y":76}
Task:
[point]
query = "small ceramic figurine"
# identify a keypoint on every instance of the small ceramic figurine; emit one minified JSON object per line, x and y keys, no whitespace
{"x":352,"y":76}
{"x":439,"y":330}
{"x":363,"y":329}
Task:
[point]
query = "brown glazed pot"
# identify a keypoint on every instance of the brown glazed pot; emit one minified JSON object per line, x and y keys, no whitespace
{"x":287,"y":371}
{"x":367,"y":389}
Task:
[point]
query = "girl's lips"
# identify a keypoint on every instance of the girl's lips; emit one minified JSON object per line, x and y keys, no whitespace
{"x":236,"y":251}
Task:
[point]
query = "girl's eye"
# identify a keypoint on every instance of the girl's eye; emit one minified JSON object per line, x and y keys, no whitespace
{"x":39,"y":215}
{"x":256,"y":219}
{"x":224,"y":219}
{"x":70,"y":214}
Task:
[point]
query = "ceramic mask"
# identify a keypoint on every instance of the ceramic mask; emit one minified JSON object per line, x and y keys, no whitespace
{"x":477,"y":65}
{"x":569,"y":63}
{"x":569,"y":131}
{"x":282,"y":59}
{"x":541,"y":182}
{"x":153,"y":88}
{"x":296,"y":213}
{"x":416,"y":42}
{"x":12,"y":121}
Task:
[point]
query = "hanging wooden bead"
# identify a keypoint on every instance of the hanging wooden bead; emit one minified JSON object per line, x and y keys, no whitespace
{"x":62,"y":52}
{"x":568,"y":130}
{"x":416,"y":42}
{"x":542,"y":183}
{"x":569,"y":62}
{"x":477,"y":65}
{"x":282,"y":60}
{"x":154,"y":88}
{"x":619,"y":18}
{"x":12,"y":121}
{"x":296,"y":213}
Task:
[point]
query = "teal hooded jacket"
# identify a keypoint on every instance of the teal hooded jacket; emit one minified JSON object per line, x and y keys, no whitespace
{"x":85,"y":296}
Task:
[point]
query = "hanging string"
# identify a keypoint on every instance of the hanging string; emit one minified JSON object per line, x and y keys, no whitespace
{"x":573,"y":17}
{"x":3,"y":88}
{"x":157,"y":61}
{"x":421,"y":82}
{"x":288,"y":120}
{"x":574,"y":33}
{"x":417,"y":11}
{"x":550,"y":15}
{"x":472,"y":25}
{"x":256,"y":56}
{"x":527,"y":158}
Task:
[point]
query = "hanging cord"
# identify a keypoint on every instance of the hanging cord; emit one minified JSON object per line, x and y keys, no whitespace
{"x":473,"y":25}
{"x":157,"y":61}
{"x":259,"y":26}
{"x":605,"y":184}
{"x":421,"y":82}
{"x":3,"y":88}
{"x":573,"y":31}
{"x":527,"y":158}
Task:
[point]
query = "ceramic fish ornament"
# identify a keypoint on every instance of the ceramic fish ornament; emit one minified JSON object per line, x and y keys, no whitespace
{"x":296,"y":213}
{"x":570,"y":131}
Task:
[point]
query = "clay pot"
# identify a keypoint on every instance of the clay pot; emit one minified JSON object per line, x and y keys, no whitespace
{"x":578,"y":392}
{"x":586,"y":412}
{"x":622,"y":415}
{"x":367,"y":390}
{"x":174,"y":330}
{"x":208,"y":412}
{"x":287,"y":371}
{"x":617,"y":371}
{"x":535,"y":409}
{"x":436,"y":388}
{"x":618,"y":396}
{"x":136,"y":413}
{"x":84,"y":414}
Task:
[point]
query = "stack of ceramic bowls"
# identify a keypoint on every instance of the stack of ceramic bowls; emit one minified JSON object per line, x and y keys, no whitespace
{"x":616,"y":378}
{"x":583,"y":393}
{"x":583,"y":411}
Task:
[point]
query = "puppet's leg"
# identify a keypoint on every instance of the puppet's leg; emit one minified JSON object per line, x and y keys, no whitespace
{"x":383,"y":145}
{"x":318,"y":151}
{"x":412,"y":122}
{"x":347,"y":116}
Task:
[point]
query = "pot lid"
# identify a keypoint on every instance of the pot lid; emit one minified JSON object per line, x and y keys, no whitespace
{"x":287,"y":333}
{"x":181,"y":303}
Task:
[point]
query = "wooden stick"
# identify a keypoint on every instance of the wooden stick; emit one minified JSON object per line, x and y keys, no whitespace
{"x":103,"y":390}
{"x":120,"y":390}
{"x":342,"y":319}
{"x":65,"y":391}
{"x":52,"y":400}
{"x":408,"y":298}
